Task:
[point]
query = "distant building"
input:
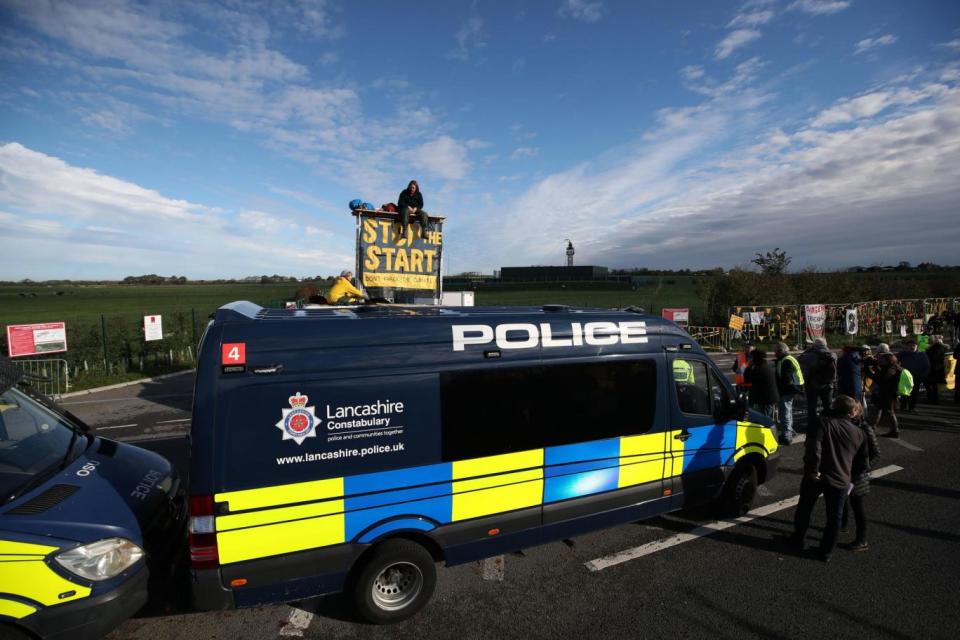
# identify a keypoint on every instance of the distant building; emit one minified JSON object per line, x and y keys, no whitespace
{"x":553,"y":274}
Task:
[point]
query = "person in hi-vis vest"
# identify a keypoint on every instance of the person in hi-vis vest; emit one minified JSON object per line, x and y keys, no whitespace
{"x":740,"y":365}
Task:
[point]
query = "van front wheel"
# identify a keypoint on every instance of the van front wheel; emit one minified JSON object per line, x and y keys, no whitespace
{"x":740,"y":491}
{"x":394,"y":582}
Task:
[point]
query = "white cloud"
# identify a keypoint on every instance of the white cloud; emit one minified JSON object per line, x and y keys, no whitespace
{"x":443,"y":157}
{"x":583,"y":10}
{"x":692,"y":72}
{"x":110,"y":227}
{"x":819,"y":7}
{"x":952,"y":44}
{"x":873,"y":103}
{"x":872,"y":43}
{"x":38,"y":183}
{"x":751,"y":18}
{"x":524,"y":152}
{"x":669,"y":200}
{"x":733,"y":41}
{"x":470,"y":37}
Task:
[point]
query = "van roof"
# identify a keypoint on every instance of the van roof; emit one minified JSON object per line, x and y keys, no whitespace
{"x":242,"y":311}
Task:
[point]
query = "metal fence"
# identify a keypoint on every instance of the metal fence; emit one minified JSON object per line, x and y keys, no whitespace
{"x":50,"y":376}
{"x":709,"y":337}
{"x":876,"y":318}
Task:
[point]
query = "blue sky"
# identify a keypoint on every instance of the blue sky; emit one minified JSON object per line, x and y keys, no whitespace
{"x":225,"y":139}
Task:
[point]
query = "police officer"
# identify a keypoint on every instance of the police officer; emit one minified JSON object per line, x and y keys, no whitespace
{"x":789,"y":384}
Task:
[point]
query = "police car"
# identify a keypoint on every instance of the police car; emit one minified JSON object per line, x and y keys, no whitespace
{"x":353,"y":448}
{"x":83,"y":520}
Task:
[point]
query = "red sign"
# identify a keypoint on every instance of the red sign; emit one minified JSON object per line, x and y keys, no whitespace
{"x":680,"y":316}
{"x":34,"y":339}
{"x":233,"y":353}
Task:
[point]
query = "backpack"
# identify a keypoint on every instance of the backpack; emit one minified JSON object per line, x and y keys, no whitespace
{"x":355,"y":204}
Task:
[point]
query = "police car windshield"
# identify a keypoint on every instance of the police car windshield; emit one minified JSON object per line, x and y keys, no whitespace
{"x":34,"y":441}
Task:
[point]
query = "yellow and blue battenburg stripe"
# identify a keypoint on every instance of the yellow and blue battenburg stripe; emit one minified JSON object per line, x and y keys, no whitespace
{"x":24,"y":572}
{"x":283,"y":519}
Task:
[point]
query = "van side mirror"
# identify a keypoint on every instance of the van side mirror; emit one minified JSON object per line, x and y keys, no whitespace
{"x":737,"y":410}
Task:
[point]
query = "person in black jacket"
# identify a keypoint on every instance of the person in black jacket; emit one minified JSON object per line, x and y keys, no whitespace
{"x":918,"y":364}
{"x":410,"y":202}
{"x":763,"y":384}
{"x":836,"y":452}
{"x":861,"y":487}
{"x":936,"y":353}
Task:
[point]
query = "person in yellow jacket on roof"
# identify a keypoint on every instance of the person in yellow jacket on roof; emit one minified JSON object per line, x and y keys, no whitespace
{"x":343,"y":291}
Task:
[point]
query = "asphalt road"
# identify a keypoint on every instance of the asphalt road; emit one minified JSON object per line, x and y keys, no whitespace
{"x":674,"y":581}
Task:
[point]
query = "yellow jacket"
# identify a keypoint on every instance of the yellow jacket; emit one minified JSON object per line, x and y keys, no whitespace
{"x":340,"y":288}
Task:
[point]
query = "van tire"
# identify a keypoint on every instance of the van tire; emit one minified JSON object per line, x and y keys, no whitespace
{"x":740,"y":491}
{"x":393,"y":582}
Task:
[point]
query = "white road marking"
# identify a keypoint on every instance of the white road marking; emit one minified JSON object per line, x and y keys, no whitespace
{"x":904,"y":444}
{"x":296,"y":623}
{"x":170,"y":421}
{"x":633,"y":553}
{"x":127,"y":399}
{"x":118,"y":426}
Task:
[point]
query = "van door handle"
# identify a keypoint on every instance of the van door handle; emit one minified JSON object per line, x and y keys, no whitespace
{"x":683,"y":436}
{"x":268,"y":369}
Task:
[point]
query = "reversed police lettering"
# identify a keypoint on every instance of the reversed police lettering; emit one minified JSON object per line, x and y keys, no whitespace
{"x":523,"y":335}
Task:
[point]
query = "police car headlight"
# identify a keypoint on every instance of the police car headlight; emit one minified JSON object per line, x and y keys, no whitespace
{"x":102,"y":559}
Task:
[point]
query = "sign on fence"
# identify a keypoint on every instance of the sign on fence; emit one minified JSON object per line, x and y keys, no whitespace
{"x":152,"y":328}
{"x":852,"y":325}
{"x":33,"y":339}
{"x":816,"y":316}
{"x":680,"y":316}
{"x":736,"y":322}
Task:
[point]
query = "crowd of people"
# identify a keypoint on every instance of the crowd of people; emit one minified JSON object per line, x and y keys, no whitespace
{"x":849,"y":397}
{"x":881,"y":381}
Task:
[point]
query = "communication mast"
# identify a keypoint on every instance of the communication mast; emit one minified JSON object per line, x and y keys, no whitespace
{"x":570,"y":253}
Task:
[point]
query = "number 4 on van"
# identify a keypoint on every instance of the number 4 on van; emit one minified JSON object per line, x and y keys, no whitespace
{"x":233,"y":357}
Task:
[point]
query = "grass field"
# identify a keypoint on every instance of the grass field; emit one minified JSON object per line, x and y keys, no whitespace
{"x":87,"y":303}
{"x":680,"y":292}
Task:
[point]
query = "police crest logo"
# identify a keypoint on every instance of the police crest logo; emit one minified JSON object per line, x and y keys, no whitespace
{"x":299,"y":421}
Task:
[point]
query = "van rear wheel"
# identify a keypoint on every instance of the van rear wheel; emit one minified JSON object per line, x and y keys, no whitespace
{"x":394,"y":582}
{"x":740,"y":491}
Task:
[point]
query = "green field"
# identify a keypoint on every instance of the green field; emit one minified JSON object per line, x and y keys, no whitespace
{"x":85,"y":303}
{"x":680,"y":292}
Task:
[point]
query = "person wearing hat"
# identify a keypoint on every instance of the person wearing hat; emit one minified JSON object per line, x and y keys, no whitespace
{"x":343,"y":291}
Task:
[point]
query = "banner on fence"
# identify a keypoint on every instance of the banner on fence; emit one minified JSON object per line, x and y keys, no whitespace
{"x":736,"y":323}
{"x":680,"y":316}
{"x":33,"y":339}
{"x":917,"y":326}
{"x":816,"y":316}
{"x":152,"y":328}
{"x":851,"y":321}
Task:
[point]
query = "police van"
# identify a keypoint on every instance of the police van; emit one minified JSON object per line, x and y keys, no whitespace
{"x":352,"y":448}
{"x":84,"y":521}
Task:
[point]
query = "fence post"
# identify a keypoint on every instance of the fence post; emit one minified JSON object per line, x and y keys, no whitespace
{"x":103,"y":335}
{"x":193,"y":325}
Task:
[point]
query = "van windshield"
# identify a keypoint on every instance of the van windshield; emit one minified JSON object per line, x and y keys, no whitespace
{"x":34,"y":443}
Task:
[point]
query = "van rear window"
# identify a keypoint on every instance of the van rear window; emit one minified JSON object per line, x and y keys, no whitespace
{"x":492,"y":411}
